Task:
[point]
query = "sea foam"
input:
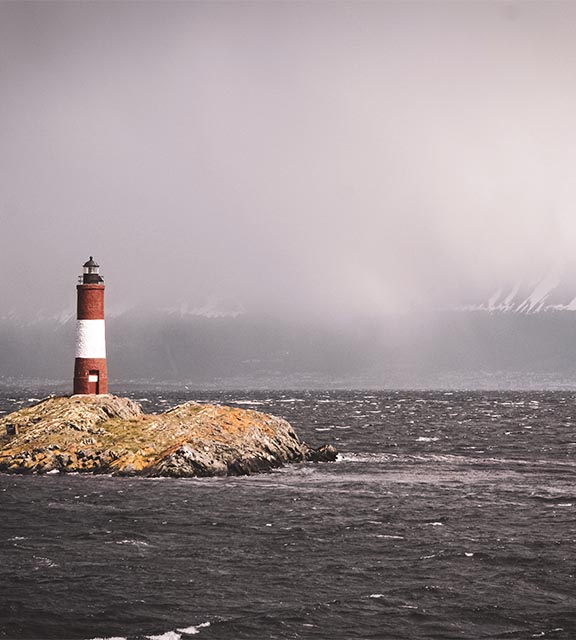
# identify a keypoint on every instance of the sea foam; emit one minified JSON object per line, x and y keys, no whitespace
{"x":192,"y":631}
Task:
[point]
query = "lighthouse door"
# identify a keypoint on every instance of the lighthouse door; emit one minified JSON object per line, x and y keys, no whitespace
{"x":93,"y":381}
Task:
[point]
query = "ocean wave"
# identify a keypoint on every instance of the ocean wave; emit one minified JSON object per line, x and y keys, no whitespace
{"x":381,"y":457}
{"x":44,"y":563}
{"x":169,"y":635}
{"x":192,"y":631}
{"x":179,"y":633}
{"x":131,"y":542}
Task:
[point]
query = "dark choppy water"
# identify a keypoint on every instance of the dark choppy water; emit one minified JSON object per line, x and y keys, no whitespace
{"x":448,"y":516}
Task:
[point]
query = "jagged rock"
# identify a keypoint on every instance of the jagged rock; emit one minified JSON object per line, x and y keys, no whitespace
{"x":325,"y":453}
{"x":186,"y":461}
{"x":109,"y":434}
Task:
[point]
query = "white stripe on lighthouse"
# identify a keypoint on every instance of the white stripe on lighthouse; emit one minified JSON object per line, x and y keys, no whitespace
{"x":90,"y":339}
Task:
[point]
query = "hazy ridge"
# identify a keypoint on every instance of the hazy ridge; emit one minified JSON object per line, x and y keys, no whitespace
{"x":461,"y":349}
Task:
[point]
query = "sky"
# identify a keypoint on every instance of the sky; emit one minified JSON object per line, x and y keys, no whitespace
{"x":310,"y":158}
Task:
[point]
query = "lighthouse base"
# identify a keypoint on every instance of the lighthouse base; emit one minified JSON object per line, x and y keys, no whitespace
{"x":90,"y":375}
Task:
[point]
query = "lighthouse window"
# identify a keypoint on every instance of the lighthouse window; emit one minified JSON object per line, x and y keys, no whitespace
{"x":93,"y":376}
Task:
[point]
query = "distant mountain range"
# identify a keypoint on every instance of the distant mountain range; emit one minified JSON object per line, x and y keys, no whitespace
{"x":520,"y":337}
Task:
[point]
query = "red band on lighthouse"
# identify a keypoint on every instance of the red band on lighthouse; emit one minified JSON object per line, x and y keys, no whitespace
{"x":90,"y":372}
{"x":91,"y":302}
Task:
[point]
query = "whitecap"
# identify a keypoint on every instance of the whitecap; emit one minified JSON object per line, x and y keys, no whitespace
{"x":426,"y":439}
{"x":435,"y":524}
{"x":192,"y":631}
{"x":44,"y":562}
{"x":366,"y":457}
{"x":135,"y":543}
{"x":169,"y":635}
{"x":376,"y":595}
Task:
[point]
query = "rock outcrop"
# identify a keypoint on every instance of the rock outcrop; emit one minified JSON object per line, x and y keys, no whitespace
{"x":110,"y":434}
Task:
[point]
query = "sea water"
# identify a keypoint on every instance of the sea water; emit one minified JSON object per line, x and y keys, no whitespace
{"x":447,"y":515}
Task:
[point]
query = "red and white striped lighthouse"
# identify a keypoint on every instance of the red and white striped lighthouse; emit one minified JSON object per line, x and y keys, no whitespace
{"x":90,"y":374}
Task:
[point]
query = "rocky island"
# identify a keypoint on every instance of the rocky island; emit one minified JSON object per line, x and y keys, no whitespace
{"x":111,"y":434}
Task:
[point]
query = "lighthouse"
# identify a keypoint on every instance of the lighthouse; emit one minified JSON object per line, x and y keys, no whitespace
{"x":90,"y":375}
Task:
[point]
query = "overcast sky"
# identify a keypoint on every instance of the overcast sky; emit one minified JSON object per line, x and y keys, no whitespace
{"x":321,"y":157}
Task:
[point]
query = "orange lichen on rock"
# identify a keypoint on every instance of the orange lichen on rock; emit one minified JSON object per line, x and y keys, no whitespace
{"x":109,"y":434}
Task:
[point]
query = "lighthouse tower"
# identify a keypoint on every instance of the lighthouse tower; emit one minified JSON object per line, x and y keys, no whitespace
{"x":90,"y":375}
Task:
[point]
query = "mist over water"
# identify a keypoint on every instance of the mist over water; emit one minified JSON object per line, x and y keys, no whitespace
{"x":328,"y":160}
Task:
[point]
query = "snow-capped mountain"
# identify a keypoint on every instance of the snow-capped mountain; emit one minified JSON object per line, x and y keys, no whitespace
{"x":554,"y":291}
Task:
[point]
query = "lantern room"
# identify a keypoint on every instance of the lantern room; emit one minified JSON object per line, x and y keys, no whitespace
{"x":91,"y":273}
